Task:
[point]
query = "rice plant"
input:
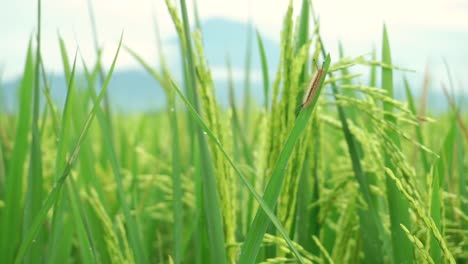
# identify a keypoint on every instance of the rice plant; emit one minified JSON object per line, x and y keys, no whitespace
{"x":330,"y":168}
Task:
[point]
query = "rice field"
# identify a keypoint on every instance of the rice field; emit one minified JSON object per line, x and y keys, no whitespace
{"x":329,"y":168}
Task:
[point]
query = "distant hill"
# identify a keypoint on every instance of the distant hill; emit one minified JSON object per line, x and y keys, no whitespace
{"x":129,"y":91}
{"x":135,"y":90}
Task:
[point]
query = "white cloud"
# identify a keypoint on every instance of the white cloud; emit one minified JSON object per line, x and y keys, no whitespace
{"x":357,"y":20}
{"x":238,"y":75}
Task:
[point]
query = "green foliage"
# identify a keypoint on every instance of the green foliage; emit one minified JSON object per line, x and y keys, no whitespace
{"x":344,"y":173}
{"x":398,"y":206}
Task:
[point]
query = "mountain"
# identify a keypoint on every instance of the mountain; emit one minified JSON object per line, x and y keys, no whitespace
{"x":131,"y":91}
{"x":135,"y":90}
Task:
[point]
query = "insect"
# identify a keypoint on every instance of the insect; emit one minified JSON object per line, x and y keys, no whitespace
{"x":313,"y":88}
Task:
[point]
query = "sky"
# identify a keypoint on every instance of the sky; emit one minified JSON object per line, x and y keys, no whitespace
{"x":424,"y":32}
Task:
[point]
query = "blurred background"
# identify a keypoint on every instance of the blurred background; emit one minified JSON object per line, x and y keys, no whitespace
{"x":430,"y":37}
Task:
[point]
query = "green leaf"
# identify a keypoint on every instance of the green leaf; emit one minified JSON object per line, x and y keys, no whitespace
{"x":442,"y":171}
{"x":419,"y":133}
{"x":261,"y":222}
{"x":264,"y":206}
{"x":11,"y":213}
{"x":210,"y":193}
{"x":371,"y":227}
{"x":51,"y":198}
{"x":266,"y":78}
{"x":34,"y":192}
{"x":398,"y":205}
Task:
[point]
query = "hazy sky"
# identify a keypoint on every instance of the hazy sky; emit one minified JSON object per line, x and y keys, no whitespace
{"x":358,"y":23}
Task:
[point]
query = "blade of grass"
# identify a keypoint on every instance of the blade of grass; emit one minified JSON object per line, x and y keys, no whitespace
{"x":60,"y":222}
{"x":88,"y":169}
{"x":398,"y":205}
{"x":462,"y":182}
{"x":425,"y":91}
{"x":111,"y":156}
{"x":2,"y":167}
{"x":101,"y":74}
{"x":373,"y":71}
{"x":303,"y":39}
{"x":11,"y":213}
{"x":419,"y":134}
{"x":303,"y":35}
{"x":46,"y":92}
{"x":183,"y":30}
{"x":302,"y":214}
{"x":247,"y":108}
{"x":351,"y":111}
{"x":435,"y":250}
{"x":53,"y":194}
{"x":2,"y":96}
{"x":455,"y":109}
{"x":34,"y":191}
{"x":309,"y":192}
{"x":266,"y":78}
{"x":240,"y":137}
{"x":303,"y":27}
{"x":177,"y":191}
{"x":261,"y":221}
{"x":210,"y":194}
{"x":441,"y":173}
{"x":196,"y":15}
{"x":370,"y":225}
{"x":178,"y":214}
{"x":176,"y":155}
{"x":176,"y":185}
{"x":85,"y":236}
{"x":60,"y":219}
{"x":233,"y":108}
{"x":239,"y":151}
{"x":66,"y":114}
{"x":246,"y":149}
{"x":244,"y":179}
